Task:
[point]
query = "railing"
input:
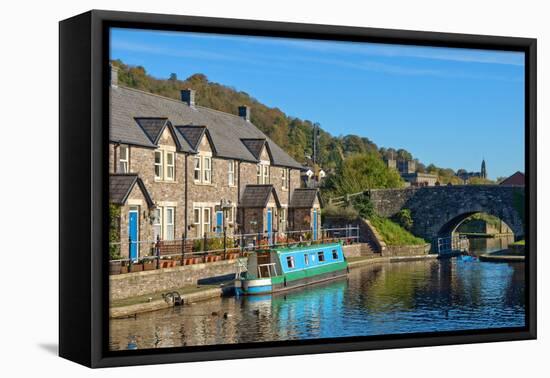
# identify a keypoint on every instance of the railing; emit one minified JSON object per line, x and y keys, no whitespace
{"x":342,"y":200}
{"x":148,"y":255}
{"x":452,"y":244}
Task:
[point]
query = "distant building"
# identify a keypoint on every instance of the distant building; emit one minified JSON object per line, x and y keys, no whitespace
{"x":466,"y":176}
{"x":407,"y":170}
{"x":420,"y":179}
{"x":517,"y":179}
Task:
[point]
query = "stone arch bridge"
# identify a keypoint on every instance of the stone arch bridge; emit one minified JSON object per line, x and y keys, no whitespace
{"x":438,"y":210}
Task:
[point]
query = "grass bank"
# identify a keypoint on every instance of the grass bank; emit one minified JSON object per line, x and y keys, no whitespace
{"x":393,"y":233}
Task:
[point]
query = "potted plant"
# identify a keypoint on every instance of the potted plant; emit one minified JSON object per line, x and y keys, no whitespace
{"x":149,"y":264}
{"x":138,"y":267}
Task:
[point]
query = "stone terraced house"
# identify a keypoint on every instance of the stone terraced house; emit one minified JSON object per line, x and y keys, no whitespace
{"x":178,"y":169}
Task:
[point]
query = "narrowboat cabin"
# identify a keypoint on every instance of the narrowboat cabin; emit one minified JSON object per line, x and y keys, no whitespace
{"x":281,"y":269}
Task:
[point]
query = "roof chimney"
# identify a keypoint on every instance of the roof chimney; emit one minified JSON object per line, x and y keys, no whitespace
{"x":244,"y":112}
{"x":114,"y":76}
{"x":188,"y":96}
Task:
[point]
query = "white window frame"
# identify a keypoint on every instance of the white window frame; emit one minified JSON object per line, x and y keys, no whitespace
{"x":198,"y":223}
{"x":282,"y":218}
{"x":284,"y":177}
{"x":259,"y":173}
{"x":170,"y":235}
{"x":160,"y":176}
{"x":207,"y":169}
{"x":231,"y":173}
{"x":123,"y":162}
{"x":172,"y":176}
{"x":290,"y":263}
{"x":197,"y":170}
{"x":231,"y":215}
{"x":206,"y":220}
{"x":157,"y":223}
{"x":265,"y":174}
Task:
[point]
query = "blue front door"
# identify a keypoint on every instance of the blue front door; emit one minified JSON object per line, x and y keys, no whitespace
{"x":133,"y":234}
{"x":314,"y":224}
{"x":270,"y":226}
{"x":219,"y":222}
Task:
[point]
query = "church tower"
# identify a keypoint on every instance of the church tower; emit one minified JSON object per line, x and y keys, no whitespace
{"x":483,"y":169}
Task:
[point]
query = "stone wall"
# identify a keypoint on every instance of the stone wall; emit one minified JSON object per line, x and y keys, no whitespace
{"x":437,"y":210}
{"x":352,"y":250}
{"x":153,"y":281}
{"x":407,"y":250}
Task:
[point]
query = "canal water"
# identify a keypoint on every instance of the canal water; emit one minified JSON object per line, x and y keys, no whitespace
{"x":389,"y":298}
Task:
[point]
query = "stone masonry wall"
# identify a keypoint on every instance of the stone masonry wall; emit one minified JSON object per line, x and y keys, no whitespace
{"x":436,"y":210}
{"x":153,"y":281}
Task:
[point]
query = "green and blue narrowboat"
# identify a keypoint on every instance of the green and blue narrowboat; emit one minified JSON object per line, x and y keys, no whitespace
{"x":281,"y":269}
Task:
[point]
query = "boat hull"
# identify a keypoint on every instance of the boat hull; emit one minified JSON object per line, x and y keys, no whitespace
{"x":285,"y":283}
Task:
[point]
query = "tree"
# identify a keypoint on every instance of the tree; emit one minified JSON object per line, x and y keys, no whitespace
{"x":360,"y":172}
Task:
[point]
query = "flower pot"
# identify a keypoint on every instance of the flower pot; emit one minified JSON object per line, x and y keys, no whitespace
{"x":149,"y":266}
{"x":115,"y":267}
{"x":136,"y":268}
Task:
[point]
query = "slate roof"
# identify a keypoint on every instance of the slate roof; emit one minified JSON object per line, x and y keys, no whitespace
{"x":225,"y":130}
{"x":121,"y":185}
{"x":153,"y":127}
{"x":517,"y":179}
{"x":255,"y":146}
{"x":303,"y":198}
{"x":192,"y":134}
{"x":257,"y":196}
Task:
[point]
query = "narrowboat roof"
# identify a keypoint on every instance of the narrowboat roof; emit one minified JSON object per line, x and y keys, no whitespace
{"x":305,"y":248}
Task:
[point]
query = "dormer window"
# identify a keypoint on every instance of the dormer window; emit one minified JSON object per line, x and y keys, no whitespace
{"x":158,"y":165}
{"x":197,"y":165}
{"x":262,"y":173}
{"x":202,"y":169}
{"x":165,"y":165}
{"x":123,"y":159}
{"x":170,"y":166}
{"x":284,"y":178}
{"x":207,"y":169}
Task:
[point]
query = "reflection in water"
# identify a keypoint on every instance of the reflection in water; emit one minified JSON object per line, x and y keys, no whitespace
{"x":388,"y":298}
{"x":486,"y":245}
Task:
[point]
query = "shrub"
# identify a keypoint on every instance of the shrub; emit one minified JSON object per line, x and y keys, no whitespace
{"x":114,"y":232}
{"x":404,"y":219}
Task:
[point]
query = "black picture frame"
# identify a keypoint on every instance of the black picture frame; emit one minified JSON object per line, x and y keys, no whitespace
{"x":83,"y":182}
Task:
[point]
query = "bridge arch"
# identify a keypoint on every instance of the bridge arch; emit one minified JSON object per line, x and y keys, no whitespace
{"x":450,"y":227}
{"x":437,"y":210}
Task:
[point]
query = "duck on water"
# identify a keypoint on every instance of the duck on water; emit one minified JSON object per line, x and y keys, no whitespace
{"x":280,"y":269}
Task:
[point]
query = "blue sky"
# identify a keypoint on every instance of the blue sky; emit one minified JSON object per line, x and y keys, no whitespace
{"x":450,"y":107}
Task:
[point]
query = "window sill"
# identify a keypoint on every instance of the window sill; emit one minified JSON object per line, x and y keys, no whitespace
{"x":166,"y":181}
{"x":198,"y":183}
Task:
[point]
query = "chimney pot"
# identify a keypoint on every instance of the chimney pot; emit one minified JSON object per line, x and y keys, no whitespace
{"x":188,"y":96}
{"x":244,"y":112}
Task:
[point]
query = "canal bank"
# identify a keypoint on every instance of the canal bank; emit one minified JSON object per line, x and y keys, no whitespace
{"x":124,"y":305}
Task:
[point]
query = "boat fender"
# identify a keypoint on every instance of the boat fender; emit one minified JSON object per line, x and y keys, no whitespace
{"x":347,"y":268}
{"x":284,"y":281}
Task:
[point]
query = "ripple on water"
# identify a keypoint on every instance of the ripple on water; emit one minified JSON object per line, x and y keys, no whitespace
{"x":424,"y":296}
